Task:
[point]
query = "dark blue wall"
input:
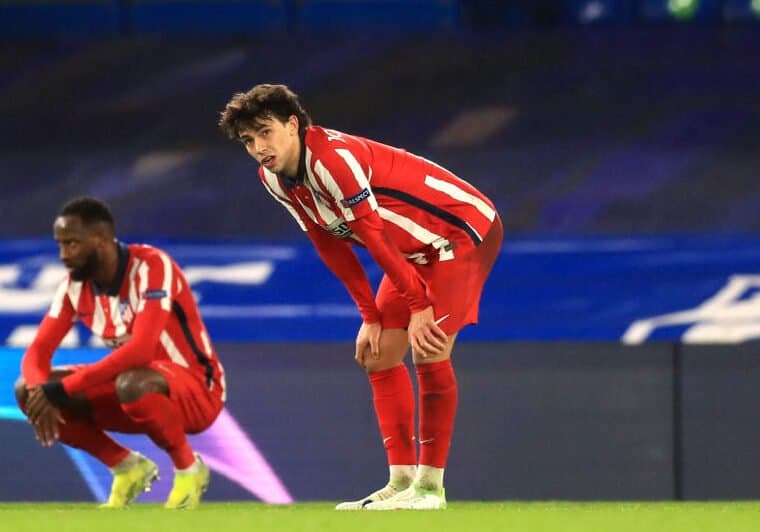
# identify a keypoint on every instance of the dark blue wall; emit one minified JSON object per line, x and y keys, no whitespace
{"x":247,"y":17}
{"x":583,"y":421}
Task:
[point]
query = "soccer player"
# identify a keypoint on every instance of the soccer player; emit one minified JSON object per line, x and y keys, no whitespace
{"x":162,"y":379}
{"x":435,"y":237}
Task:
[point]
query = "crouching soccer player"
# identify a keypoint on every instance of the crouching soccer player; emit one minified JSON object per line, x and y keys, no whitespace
{"x":162,"y":378}
{"x":436,"y":238}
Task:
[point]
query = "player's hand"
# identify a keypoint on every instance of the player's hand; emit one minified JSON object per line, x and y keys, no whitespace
{"x":425,"y":336}
{"x":43,"y":416}
{"x":368,"y":343}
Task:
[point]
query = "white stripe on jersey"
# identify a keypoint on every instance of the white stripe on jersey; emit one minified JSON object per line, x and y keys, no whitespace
{"x":172,"y":350}
{"x":210,"y":355}
{"x":335,"y":191}
{"x":418,"y":232}
{"x":308,"y":211}
{"x":450,"y":189}
{"x":98,"y":319}
{"x":119,"y":327}
{"x":134,"y":297}
{"x":57,"y":304}
{"x":75,"y":293}
{"x":142,"y":271}
{"x":313,"y":185}
{"x":273,"y":187}
{"x":206,"y":344}
{"x":166,"y":301}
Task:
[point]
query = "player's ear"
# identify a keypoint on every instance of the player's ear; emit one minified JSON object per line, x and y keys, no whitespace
{"x":293,"y":124}
{"x":103,"y":234}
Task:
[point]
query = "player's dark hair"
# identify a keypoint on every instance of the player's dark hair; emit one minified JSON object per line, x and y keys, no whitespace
{"x":89,"y":210}
{"x":265,"y":101}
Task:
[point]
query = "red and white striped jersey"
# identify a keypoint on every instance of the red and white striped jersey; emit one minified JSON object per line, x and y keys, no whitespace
{"x":429,"y":213}
{"x":149,"y":313}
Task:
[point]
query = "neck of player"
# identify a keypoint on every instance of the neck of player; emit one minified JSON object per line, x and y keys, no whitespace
{"x":109,"y":265}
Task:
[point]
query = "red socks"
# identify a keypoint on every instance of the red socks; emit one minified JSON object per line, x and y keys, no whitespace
{"x":394,"y":405}
{"x":83,"y":435}
{"x":161,"y":421}
{"x":438,"y":405}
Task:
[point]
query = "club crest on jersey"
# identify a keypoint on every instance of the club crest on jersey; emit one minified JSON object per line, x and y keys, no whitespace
{"x":154,"y":294}
{"x":324,"y":200}
{"x":125,"y":311}
{"x":356,"y":198}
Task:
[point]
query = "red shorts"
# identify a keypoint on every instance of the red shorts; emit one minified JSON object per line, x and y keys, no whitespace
{"x":197,"y":406}
{"x":454,"y":287}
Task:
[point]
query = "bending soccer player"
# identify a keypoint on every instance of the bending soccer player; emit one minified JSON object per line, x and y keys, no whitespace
{"x":162,"y":378}
{"x":435,"y":237}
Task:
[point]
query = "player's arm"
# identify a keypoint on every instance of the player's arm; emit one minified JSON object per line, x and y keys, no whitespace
{"x":343,"y":173}
{"x":36,"y":362}
{"x":343,"y":262}
{"x":403,"y":275}
{"x":35,"y":366}
{"x":151,"y":318}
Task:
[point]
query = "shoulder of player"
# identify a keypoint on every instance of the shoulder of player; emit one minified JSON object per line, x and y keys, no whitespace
{"x":148,"y":253}
{"x":319,"y":139}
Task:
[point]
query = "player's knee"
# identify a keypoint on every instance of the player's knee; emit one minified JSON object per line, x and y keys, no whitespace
{"x":133,"y":384}
{"x":19,"y":388}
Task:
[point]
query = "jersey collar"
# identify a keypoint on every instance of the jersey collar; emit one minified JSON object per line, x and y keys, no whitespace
{"x":113,"y":290}
{"x":291,"y":182}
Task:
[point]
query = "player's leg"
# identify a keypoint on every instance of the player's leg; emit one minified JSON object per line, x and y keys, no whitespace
{"x":171,"y":401}
{"x":393,"y":400}
{"x":144,"y":397}
{"x":393,"y":397}
{"x":437,"y":405}
{"x":435,"y":375}
{"x":84,"y":429}
{"x":79,"y":430}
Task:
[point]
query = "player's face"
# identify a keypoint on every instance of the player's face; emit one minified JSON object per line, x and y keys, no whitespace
{"x":78,"y":247}
{"x":274,"y":144}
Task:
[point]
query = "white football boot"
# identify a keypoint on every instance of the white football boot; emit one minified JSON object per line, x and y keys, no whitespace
{"x":380,"y":495}
{"x":412,"y":498}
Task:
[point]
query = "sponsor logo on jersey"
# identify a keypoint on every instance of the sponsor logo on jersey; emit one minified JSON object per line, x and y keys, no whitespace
{"x":340,"y":229}
{"x":356,"y":198}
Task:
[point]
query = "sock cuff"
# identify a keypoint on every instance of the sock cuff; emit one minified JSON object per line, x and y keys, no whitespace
{"x":388,"y":373}
{"x":426,"y":369}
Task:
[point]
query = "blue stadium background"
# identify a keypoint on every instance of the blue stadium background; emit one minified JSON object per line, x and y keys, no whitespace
{"x":619,"y":139}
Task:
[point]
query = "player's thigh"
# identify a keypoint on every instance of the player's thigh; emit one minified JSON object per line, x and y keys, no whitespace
{"x":440,"y":357}
{"x":197,"y":402}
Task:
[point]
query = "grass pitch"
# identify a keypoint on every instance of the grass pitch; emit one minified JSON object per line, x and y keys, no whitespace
{"x":460,"y":516}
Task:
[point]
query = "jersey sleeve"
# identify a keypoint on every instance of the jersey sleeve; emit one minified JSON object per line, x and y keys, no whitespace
{"x":401,"y":273}
{"x":156,"y":292}
{"x":342,"y":261}
{"x":35,"y":364}
{"x":272,"y":185}
{"x":342,"y":171}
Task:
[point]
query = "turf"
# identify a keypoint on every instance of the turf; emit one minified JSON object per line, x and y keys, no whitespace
{"x":461,"y":516}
